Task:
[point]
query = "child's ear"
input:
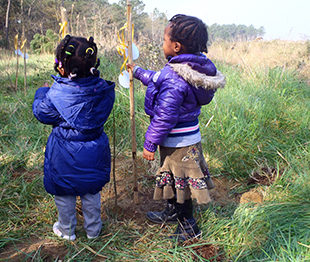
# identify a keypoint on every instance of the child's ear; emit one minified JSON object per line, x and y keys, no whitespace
{"x":177,"y":47}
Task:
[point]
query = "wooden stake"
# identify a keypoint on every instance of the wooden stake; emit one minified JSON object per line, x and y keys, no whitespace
{"x":23,"y":50}
{"x":16,"y":48}
{"x":16,"y":77}
{"x":114,"y":156}
{"x":132,"y":105}
{"x":25,"y":63}
{"x":25,"y":70}
{"x":64,"y":18}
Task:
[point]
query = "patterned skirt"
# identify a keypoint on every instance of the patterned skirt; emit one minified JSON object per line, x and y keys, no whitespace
{"x":183,"y":174}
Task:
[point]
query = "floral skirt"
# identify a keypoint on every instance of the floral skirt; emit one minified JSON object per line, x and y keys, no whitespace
{"x":183,"y":174}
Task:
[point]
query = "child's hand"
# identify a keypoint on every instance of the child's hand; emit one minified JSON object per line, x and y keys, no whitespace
{"x":148,"y":155}
{"x":46,"y":85}
{"x":130,"y":66}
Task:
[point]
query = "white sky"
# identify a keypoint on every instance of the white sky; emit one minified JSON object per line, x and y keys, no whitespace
{"x":282,"y":19}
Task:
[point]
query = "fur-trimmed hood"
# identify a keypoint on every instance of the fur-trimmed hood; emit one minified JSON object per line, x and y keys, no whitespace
{"x":198,"y":79}
{"x":198,"y":70}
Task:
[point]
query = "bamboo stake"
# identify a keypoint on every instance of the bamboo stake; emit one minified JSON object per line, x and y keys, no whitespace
{"x":25,"y":70}
{"x":132,"y":104}
{"x":78,"y":25}
{"x":23,"y":48}
{"x":25,"y":63}
{"x":64,"y":19}
{"x":86,"y":27}
{"x":71,"y":22}
{"x":16,"y":48}
{"x":114,"y":156}
{"x":16,"y":77}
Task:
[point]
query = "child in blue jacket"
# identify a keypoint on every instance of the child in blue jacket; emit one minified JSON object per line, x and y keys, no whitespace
{"x":173,"y":101}
{"x":77,"y":156}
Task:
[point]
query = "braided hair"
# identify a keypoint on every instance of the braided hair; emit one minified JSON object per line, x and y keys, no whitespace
{"x":77,"y":56}
{"x":189,"y":31}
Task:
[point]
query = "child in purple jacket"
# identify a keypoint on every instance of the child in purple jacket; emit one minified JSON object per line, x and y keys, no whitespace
{"x":173,"y":100}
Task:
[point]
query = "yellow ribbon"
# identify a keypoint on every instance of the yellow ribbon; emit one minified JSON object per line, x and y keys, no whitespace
{"x":24,"y":42}
{"x":16,"y":42}
{"x":62,"y":28}
{"x":121,"y":47}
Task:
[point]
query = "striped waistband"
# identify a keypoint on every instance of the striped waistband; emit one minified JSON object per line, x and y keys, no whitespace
{"x":185,"y":129}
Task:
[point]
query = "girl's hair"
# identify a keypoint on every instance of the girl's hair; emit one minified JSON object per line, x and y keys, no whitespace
{"x":189,"y":31}
{"x":77,"y":56}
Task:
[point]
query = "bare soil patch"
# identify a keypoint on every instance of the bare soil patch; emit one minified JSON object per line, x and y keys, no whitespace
{"x":264,"y":176}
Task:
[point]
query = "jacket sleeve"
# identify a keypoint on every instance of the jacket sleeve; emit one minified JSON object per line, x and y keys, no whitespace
{"x":145,"y":76}
{"x":43,"y":109}
{"x":166,"y":113}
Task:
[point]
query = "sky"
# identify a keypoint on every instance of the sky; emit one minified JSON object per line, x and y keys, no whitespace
{"x":282,"y":19}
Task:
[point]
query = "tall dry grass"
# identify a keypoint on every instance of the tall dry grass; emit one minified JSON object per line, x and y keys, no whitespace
{"x":259,"y":54}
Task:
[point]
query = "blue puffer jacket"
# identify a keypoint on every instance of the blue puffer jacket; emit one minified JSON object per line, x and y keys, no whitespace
{"x":77,"y":155}
{"x":176,"y":93}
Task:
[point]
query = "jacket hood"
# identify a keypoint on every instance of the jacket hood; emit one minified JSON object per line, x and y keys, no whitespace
{"x":198,"y":71}
{"x":84,"y":103}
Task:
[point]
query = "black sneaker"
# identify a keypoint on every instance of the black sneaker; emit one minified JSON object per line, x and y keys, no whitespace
{"x":168,"y":215}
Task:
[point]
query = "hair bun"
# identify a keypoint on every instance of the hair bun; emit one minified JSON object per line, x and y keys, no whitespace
{"x":67,"y":37}
{"x":71,"y":48}
{"x":94,"y":71}
{"x":90,"y":51}
{"x":97,"y":63}
{"x":74,"y":73}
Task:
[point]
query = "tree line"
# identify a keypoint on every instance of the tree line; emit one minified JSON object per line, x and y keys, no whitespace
{"x":235,"y":32}
{"x":98,"y":18}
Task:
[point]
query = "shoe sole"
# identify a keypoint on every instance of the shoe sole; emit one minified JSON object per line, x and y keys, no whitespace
{"x":58,"y":233}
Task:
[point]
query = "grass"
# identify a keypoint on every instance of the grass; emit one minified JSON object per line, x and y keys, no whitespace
{"x":261,"y":119}
{"x":254,"y":119}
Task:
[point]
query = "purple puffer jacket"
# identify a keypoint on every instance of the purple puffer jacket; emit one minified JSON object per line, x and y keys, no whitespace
{"x":176,"y":93}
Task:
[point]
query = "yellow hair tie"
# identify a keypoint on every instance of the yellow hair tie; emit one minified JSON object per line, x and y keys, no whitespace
{"x":92,"y":50}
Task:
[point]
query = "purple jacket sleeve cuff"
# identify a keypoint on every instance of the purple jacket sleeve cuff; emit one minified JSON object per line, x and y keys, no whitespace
{"x":145,"y":76}
{"x":135,"y":70}
{"x":150,"y":146}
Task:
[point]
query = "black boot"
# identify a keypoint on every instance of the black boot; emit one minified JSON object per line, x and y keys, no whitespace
{"x":187,"y":226}
{"x":168,"y":215}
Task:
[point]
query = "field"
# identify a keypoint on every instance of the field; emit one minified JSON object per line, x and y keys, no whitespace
{"x":256,"y":139}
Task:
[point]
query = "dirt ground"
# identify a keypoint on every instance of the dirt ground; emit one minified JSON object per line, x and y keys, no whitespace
{"x":126,"y":209}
